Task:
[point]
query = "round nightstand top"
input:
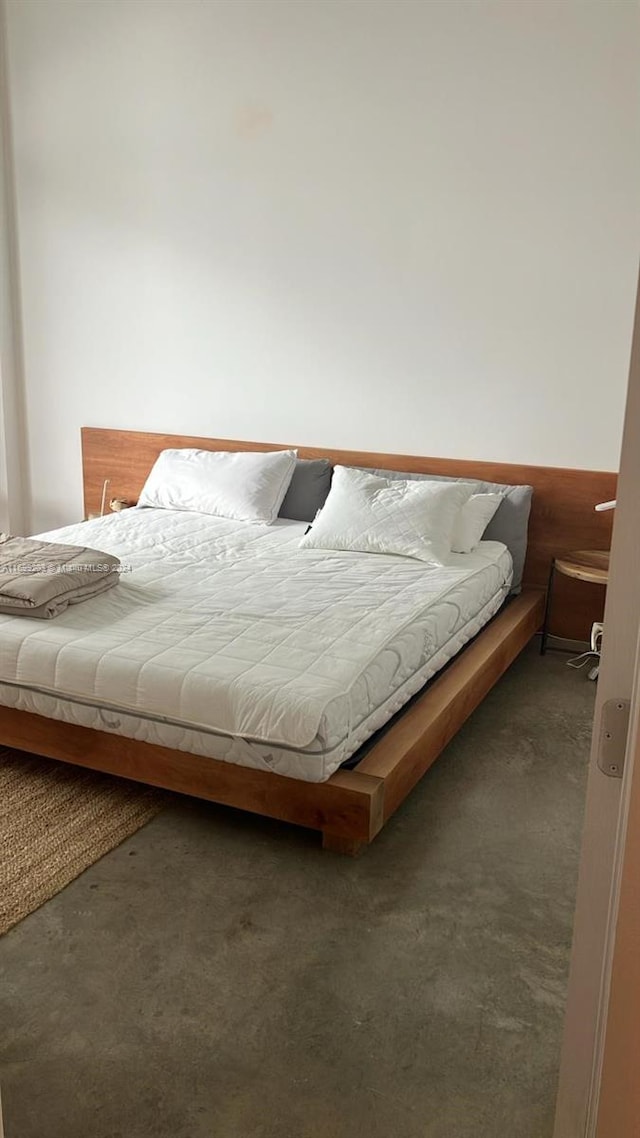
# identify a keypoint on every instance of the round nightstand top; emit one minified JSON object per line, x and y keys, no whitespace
{"x":585,"y":564}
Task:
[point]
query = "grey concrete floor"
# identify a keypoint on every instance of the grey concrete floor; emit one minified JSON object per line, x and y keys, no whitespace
{"x":218,"y":976}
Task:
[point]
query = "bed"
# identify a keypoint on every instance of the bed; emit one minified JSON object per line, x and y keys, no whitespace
{"x":146,"y":695}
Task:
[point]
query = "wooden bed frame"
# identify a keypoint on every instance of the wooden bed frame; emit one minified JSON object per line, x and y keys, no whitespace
{"x":353,"y":805}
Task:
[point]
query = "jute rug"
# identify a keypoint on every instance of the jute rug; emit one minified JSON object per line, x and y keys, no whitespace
{"x":55,"y":821}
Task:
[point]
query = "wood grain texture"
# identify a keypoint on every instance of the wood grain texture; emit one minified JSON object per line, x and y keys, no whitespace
{"x":562,"y":515}
{"x":347,"y":805}
{"x":585,"y":565}
{"x":405,"y":752}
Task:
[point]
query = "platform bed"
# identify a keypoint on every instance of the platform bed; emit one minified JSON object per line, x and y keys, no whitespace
{"x":351,"y":807}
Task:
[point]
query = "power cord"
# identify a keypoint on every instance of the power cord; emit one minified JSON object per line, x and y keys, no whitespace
{"x":582,"y":659}
{"x":592,"y":654}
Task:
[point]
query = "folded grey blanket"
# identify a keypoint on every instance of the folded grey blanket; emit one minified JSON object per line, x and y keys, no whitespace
{"x":41,"y":578}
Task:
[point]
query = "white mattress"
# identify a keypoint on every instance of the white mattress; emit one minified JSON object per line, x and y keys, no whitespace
{"x":226,"y":640}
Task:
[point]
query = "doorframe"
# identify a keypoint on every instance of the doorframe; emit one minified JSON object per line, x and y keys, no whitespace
{"x":629,"y":774}
{"x":607,"y":804}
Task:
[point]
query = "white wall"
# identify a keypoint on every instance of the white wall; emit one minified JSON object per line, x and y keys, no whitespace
{"x":386,"y":224}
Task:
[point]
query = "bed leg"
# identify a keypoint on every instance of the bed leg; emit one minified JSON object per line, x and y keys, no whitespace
{"x":336,"y":843}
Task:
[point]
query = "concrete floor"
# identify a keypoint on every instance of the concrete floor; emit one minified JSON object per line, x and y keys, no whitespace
{"x":218,"y":976}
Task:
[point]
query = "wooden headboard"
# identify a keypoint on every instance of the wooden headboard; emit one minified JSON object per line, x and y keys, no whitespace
{"x":562,"y":513}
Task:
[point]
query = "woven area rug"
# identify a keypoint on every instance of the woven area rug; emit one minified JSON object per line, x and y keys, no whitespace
{"x":55,"y":821}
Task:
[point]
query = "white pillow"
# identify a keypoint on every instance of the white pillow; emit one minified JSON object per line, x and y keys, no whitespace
{"x":244,"y":485}
{"x":472,"y":521}
{"x":367,"y":513}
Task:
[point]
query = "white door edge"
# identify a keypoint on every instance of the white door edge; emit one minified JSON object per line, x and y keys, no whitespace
{"x":614,"y":905}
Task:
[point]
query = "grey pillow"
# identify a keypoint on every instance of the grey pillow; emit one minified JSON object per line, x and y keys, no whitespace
{"x":308,"y":489}
{"x":508,"y":524}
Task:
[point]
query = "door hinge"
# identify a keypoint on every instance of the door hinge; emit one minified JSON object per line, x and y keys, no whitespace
{"x":614,"y":728}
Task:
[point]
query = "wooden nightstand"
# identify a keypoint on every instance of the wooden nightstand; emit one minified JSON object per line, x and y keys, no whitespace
{"x":583,"y":564}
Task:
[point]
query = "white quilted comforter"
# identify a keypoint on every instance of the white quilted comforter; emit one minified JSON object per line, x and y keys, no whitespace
{"x":226,"y":639}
